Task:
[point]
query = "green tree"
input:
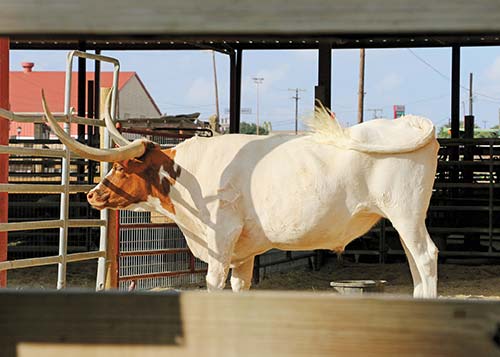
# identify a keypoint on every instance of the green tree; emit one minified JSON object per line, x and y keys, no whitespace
{"x":247,"y":128}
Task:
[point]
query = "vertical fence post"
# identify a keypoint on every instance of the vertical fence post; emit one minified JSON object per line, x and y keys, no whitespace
{"x":65,"y":178}
{"x":104,"y":168}
{"x":4,"y":159}
{"x":112,"y":251}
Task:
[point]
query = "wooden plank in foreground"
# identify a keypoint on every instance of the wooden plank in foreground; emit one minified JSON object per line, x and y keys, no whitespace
{"x":247,"y":17}
{"x":43,"y":324}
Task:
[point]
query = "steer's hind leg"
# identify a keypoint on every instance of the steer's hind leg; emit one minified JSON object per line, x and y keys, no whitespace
{"x":422,"y":256}
{"x":241,"y":276}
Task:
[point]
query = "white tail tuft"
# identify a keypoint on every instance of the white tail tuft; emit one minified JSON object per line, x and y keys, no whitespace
{"x":406,"y":134}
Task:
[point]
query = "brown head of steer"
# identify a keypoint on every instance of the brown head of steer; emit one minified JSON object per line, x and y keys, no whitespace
{"x":133,"y":181}
{"x":136,"y":174}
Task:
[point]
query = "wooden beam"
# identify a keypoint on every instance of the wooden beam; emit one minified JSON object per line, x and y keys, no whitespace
{"x":121,"y":17}
{"x":250,"y":324}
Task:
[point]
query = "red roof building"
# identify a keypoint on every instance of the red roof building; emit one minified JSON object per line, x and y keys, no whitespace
{"x":26,"y":87}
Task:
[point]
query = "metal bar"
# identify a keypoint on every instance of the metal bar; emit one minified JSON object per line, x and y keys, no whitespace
{"x":183,"y":133}
{"x":160,"y":275}
{"x":49,"y":224}
{"x":40,"y":118}
{"x":137,"y":253}
{"x":81,"y":95}
{"x":86,"y":223}
{"x":286,"y":260}
{"x":33,"y":262}
{"x":463,"y":208}
{"x":28,"y":263}
{"x":14,"y":150}
{"x":146,"y":225}
{"x":64,"y":215}
{"x":454,"y":254}
{"x":42,"y":188}
{"x":490,"y":204}
{"x":455,"y":92}
{"x":382,"y":246}
{"x":90,"y":129}
{"x":77,"y":257}
{"x":465,"y":185}
{"x":236,"y":58}
{"x":324,"y":87}
{"x":65,"y":180}
{"x":26,"y":226}
{"x":363,"y":252}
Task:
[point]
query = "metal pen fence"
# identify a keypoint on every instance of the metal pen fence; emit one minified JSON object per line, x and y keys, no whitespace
{"x":64,"y":188}
{"x":152,"y":251}
{"x":464,"y":212}
{"x":49,"y":186}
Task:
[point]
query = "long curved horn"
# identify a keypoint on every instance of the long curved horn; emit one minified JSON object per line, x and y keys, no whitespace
{"x":115,"y":134}
{"x":133,"y":149}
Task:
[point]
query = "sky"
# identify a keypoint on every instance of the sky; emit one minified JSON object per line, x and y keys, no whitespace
{"x":183,"y":81}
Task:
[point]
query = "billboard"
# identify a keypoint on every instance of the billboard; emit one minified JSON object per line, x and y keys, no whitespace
{"x":399,"y":111}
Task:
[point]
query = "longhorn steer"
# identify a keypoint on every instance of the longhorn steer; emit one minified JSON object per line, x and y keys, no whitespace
{"x":236,"y":196}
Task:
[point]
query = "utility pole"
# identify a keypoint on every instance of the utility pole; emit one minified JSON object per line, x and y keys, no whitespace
{"x":361,"y":89}
{"x":296,"y":90}
{"x":470,"y":94}
{"x":216,"y":89}
{"x":258,"y":81}
{"x":375,"y":111}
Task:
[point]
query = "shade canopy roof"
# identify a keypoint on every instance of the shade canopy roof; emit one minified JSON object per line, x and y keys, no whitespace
{"x":229,"y":24}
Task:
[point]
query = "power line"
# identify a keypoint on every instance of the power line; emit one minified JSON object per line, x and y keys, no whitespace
{"x":448,"y":78}
{"x":296,"y":97}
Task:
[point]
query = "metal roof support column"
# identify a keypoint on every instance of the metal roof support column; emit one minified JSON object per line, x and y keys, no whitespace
{"x":82,"y":88}
{"x":323,"y":90}
{"x":4,"y":159}
{"x":455,"y":92}
{"x":97,"y":95}
{"x":236,"y":58}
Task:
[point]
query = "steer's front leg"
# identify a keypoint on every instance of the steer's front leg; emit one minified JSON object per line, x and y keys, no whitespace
{"x":220,"y":244}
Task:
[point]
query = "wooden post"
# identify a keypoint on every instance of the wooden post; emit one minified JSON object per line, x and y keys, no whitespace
{"x":112,"y":238}
{"x":361,"y":89}
{"x":4,"y":159}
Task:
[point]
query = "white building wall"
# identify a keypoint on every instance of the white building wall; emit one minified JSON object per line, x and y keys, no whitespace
{"x":134,"y":101}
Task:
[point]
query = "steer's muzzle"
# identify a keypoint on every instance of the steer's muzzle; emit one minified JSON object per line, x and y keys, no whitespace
{"x":97,"y":198}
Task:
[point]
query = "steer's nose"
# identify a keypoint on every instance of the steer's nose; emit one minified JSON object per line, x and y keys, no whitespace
{"x":90,"y":195}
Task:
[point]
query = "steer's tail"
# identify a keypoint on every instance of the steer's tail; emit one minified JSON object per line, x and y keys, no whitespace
{"x":406,"y":134}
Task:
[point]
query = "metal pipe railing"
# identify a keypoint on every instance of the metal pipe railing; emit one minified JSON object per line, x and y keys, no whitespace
{"x":101,"y":265}
{"x":64,"y":189}
{"x":40,"y":118}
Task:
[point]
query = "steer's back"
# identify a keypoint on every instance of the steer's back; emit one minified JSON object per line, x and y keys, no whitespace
{"x":298,"y":193}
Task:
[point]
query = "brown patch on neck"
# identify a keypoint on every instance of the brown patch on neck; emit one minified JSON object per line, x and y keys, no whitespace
{"x":167,"y":163}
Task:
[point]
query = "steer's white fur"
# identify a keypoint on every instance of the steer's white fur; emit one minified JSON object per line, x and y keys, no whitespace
{"x":239,"y":195}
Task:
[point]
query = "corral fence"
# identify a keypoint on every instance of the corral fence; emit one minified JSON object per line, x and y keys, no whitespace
{"x":464,"y":213}
{"x":151,"y":250}
{"x":40,"y":159}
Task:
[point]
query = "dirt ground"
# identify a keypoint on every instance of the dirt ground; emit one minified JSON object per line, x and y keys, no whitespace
{"x":455,"y":280}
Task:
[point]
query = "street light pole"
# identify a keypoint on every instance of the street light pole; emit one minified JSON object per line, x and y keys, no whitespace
{"x":258,"y":81}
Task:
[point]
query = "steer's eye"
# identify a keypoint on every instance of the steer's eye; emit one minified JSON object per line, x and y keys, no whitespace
{"x":119,"y":168}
